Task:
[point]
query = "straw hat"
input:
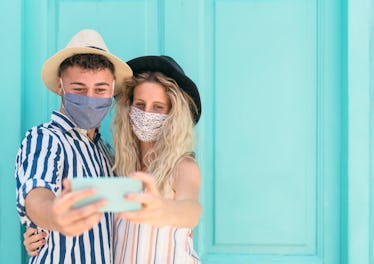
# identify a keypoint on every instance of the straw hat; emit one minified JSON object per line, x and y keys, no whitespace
{"x":169,"y":67}
{"x":85,"y":41}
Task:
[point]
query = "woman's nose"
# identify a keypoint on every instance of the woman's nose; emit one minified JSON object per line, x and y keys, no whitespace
{"x":148,"y":108}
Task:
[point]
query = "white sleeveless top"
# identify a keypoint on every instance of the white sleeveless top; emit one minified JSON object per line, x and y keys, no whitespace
{"x":142,"y":243}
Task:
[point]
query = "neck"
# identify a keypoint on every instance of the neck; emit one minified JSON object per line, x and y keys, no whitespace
{"x":90,"y":133}
{"x":144,"y":147}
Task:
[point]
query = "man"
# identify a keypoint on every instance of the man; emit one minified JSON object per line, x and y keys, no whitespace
{"x":86,"y":76}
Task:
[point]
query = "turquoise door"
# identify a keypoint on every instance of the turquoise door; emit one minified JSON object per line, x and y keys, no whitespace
{"x":284,"y":141}
{"x":273,"y":182}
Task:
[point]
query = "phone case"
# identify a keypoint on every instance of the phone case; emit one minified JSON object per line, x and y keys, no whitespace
{"x":112,"y":189}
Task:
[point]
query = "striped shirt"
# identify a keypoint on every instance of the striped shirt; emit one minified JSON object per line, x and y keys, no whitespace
{"x":48,"y":154}
{"x":145,"y":244}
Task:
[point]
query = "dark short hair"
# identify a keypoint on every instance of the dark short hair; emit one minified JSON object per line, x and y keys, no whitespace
{"x":87,"y":61}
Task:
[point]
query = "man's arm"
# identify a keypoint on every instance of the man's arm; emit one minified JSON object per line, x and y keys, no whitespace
{"x":41,"y":200}
{"x":56,"y":212}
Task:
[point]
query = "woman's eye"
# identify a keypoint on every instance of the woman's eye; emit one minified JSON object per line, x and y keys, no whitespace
{"x":139,"y":105}
{"x":158,"y":107}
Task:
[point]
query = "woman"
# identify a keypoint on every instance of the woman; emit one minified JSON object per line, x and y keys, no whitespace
{"x":154,"y":121}
{"x":153,"y":127}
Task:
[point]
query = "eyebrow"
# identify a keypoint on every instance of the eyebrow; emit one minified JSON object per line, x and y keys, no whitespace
{"x":96,"y":84}
{"x":102,"y":83}
{"x":141,"y":100}
{"x":157,"y":102}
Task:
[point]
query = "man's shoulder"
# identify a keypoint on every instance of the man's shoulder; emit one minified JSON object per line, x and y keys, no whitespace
{"x":44,"y":130}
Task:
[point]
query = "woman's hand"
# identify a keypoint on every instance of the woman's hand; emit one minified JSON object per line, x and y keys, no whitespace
{"x":33,"y":241}
{"x":154,"y":207}
{"x":183,"y":210}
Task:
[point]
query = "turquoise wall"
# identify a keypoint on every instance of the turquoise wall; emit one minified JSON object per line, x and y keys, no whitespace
{"x":286,"y":136}
{"x":10,"y":109}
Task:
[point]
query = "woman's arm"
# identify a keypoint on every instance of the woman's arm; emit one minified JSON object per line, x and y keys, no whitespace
{"x":184,"y":211}
{"x":186,"y":207}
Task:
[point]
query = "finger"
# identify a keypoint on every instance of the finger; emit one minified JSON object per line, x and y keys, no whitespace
{"x":29,"y":231}
{"x":83,"y":212}
{"x":82,"y":225}
{"x":142,"y":198}
{"x":65,"y":202}
{"x":36,"y":245}
{"x":147,"y":200}
{"x":148,"y":181}
{"x":29,"y":247}
{"x":146,"y":216}
{"x":33,"y":253}
{"x":66,"y":186}
{"x":132,"y":214}
{"x":36,"y":237}
{"x":128,"y":215}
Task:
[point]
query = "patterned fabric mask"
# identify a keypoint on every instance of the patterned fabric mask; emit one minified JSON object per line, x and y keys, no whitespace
{"x":146,"y":126}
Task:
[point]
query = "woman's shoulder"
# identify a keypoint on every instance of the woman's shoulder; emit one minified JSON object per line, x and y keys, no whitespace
{"x":187,"y":161}
{"x":187,"y":165}
{"x":187,"y":178}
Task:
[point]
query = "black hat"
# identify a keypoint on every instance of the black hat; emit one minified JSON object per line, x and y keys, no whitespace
{"x":170,"y":68}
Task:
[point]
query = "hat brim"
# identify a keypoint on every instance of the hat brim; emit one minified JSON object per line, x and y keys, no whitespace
{"x":163,"y":65}
{"x":122,"y":71}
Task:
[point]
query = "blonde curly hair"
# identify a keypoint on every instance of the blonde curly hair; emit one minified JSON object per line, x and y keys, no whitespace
{"x":176,"y":137}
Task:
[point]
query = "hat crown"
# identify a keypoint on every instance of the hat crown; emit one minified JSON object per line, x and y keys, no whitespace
{"x":173,"y":63}
{"x":87,"y":38}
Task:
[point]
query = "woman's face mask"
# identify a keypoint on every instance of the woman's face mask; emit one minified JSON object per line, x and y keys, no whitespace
{"x":86,"y":112}
{"x":146,"y":126}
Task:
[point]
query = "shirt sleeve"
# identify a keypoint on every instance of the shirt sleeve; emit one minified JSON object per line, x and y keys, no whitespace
{"x":38,"y":165}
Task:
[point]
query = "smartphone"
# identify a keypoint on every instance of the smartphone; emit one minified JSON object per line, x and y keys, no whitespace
{"x":112,"y":189}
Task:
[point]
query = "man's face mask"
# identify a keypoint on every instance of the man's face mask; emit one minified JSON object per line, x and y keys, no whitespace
{"x":146,"y":126}
{"x":86,"y":112}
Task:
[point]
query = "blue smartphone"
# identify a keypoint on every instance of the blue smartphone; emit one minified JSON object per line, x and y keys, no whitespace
{"x":112,"y":189}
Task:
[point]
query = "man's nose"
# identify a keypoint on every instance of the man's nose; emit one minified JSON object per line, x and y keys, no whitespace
{"x":90,"y":93}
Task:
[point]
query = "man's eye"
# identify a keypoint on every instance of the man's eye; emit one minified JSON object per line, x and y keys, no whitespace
{"x":100,"y":91}
{"x":78,"y":90}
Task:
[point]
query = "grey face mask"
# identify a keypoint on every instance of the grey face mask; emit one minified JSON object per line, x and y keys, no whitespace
{"x":86,"y":112}
{"x":146,"y":126}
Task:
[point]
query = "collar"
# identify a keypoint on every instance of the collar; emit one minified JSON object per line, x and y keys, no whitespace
{"x":66,"y":125}
{"x":62,"y":121}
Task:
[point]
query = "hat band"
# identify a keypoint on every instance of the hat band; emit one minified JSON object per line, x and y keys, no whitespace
{"x":96,"y":48}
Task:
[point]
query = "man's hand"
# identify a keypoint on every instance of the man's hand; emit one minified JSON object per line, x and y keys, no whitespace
{"x":57,"y":213}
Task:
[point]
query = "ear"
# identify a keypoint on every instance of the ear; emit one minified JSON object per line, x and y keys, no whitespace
{"x":59,"y":88}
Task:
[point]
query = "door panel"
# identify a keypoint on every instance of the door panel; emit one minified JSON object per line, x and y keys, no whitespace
{"x":265,"y":134}
{"x":276,"y":133}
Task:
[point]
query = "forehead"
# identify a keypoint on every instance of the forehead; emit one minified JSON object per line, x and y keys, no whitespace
{"x":77,"y":74}
{"x":150,"y":91}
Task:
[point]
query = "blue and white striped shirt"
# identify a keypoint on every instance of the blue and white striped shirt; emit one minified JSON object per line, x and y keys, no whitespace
{"x":48,"y":154}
